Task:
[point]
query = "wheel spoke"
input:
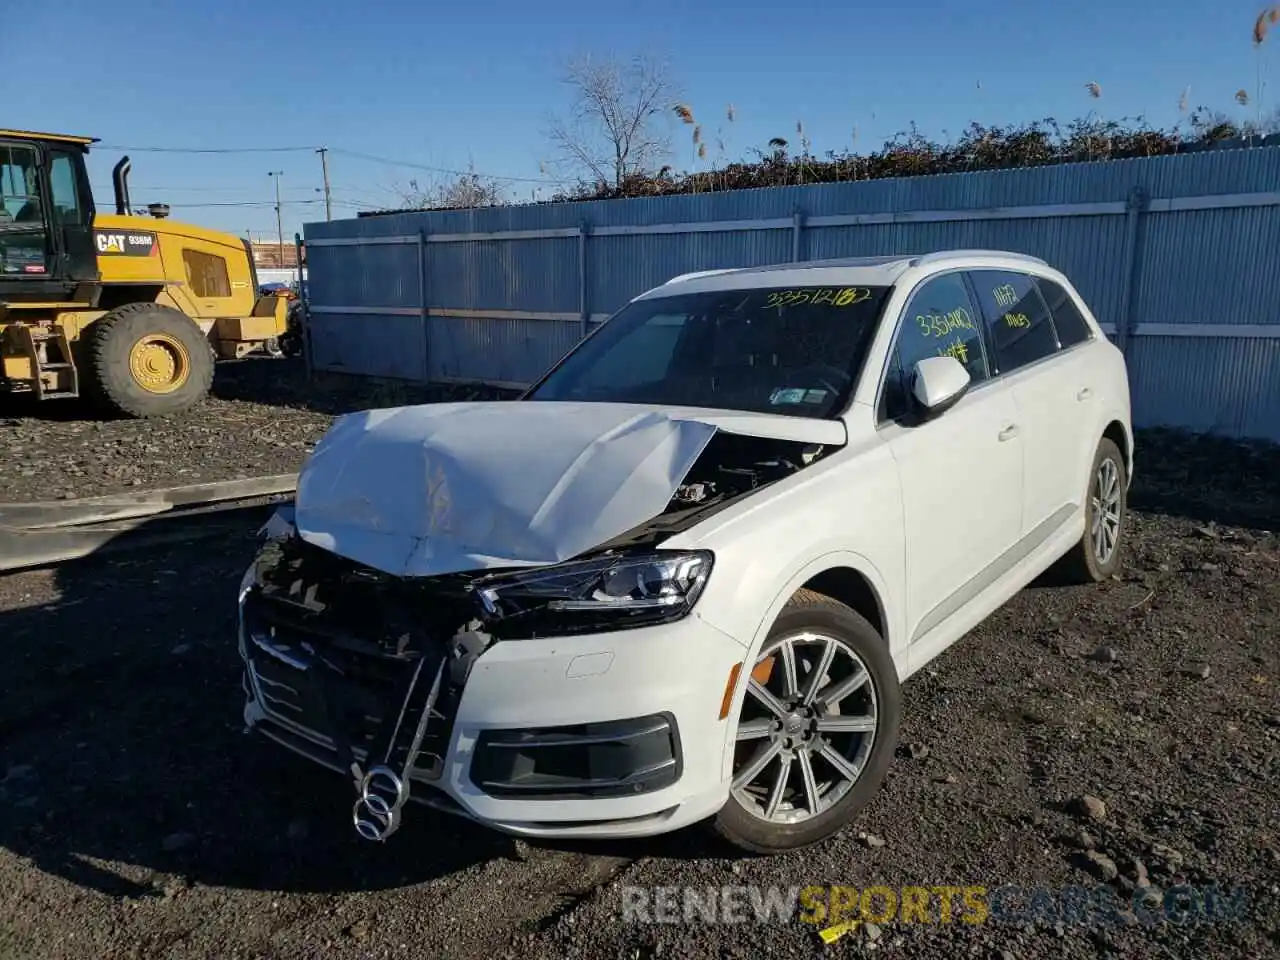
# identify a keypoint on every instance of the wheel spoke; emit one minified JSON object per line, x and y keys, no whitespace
{"x":757,"y":764}
{"x":810,"y":783}
{"x":819,"y":671}
{"x":754,"y":729}
{"x":849,"y":724}
{"x":772,"y":703}
{"x":838,"y":691}
{"x":779,"y":787}
{"x":790,"y":685}
{"x":841,"y":765}
{"x":1113,"y":481}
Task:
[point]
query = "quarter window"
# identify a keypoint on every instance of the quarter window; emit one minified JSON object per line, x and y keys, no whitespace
{"x":940,"y":320}
{"x":1017,"y":318}
{"x":1067,"y":320}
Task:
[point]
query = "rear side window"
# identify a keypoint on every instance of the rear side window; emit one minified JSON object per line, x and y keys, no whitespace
{"x":1017,"y":318}
{"x":1067,"y":320}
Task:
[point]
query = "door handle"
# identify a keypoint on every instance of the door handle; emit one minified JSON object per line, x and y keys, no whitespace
{"x":1008,"y":433}
{"x":1084,"y":394}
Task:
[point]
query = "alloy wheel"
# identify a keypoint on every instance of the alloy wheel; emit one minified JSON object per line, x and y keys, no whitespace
{"x":1105,"y":511}
{"x":808,"y":724}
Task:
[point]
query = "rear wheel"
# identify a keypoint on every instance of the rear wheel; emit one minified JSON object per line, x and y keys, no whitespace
{"x":817,"y":728}
{"x":148,"y":360}
{"x":1098,"y":554}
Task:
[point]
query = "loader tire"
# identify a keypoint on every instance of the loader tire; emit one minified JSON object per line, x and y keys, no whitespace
{"x":147,"y":360}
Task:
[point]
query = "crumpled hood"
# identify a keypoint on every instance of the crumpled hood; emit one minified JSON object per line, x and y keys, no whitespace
{"x":442,"y":488}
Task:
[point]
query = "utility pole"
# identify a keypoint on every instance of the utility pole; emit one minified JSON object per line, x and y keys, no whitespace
{"x":328,"y":197}
{"x":276,"y":175}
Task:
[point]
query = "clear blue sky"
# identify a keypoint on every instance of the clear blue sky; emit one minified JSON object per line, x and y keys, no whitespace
{"x":445,"y":84}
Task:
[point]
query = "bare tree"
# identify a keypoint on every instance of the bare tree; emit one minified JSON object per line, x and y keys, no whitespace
{"x":615,"y":124}
{"x":466,"y":190}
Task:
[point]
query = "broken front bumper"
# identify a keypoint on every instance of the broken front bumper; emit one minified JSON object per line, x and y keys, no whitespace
{"x":606,"y":735}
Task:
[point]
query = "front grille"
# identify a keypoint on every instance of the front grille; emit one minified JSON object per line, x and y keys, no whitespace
{"x":340,"y":686}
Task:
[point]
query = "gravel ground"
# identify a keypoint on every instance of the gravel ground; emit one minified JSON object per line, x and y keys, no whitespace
{"x":137,"y":820}
{"x":262,"y":419}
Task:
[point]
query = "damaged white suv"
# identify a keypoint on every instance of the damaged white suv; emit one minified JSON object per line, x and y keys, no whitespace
{"x":682,"y":578}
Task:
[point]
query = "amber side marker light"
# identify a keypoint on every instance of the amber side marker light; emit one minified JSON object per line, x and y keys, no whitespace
{"x":760,"y":674}
{"x":729,"y":686}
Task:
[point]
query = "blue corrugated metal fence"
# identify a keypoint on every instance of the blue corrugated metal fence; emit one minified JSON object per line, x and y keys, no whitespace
{"x":1177,"y":255}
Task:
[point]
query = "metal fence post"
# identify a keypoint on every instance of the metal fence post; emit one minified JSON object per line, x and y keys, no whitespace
{"x":423,"y":305}
{"x":584,"y":310}
{"x":797,"y":230}
{"x":1135,"y":206}
{"x":304,"y":313}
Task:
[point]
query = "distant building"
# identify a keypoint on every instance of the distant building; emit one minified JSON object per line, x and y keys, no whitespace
{"x":267,"y":256}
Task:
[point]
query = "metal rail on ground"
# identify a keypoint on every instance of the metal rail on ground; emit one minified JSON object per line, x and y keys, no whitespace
{"x":46,"y":533}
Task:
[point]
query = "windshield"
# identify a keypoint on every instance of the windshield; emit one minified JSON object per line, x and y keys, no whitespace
{"x":795,"y":351}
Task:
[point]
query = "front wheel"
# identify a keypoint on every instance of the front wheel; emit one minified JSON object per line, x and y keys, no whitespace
{"x":147,"y":360}
{"x":816,"y":731}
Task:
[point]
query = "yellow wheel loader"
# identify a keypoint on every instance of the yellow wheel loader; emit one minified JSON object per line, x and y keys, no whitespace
{"x":127,"y":310}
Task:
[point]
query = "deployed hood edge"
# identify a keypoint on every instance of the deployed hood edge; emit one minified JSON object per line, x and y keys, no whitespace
{"x":451,"y":488}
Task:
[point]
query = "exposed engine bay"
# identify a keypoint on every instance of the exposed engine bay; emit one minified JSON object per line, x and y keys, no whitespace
{"x":365,"y":669}
{"x":731,"y":467}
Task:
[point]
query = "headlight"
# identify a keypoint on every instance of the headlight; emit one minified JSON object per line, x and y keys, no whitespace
{"x":605,"y":593}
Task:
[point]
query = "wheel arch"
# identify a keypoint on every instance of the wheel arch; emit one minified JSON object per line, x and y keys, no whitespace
{"x":842,"y":575}
{"x":1119,"y":433}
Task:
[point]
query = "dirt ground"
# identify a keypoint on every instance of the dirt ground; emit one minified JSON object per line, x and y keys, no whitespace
{"x":138,"y":820}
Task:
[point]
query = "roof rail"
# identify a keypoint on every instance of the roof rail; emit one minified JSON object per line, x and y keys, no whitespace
{"x":680,"y":278}
{"x":945,"y":255}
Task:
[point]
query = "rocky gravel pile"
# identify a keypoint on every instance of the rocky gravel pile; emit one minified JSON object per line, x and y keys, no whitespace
{"x":263,"y":418}
{"x":1119,"y":740}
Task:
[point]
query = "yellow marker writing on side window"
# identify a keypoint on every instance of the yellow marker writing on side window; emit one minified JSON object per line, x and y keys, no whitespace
{"x":1005,"y":295}
{"x":956,"y":348}
{"x":942,"y":324}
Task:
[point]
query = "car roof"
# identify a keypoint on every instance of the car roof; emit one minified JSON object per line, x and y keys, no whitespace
{"x":880,"y":271}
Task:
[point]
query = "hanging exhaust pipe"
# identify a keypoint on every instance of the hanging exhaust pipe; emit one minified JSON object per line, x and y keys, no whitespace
{"x":120,"y":181}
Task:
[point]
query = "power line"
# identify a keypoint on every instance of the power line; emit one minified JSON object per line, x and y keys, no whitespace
{"x":116,"y":146}
{"x":158,"y":188}
{"x":430,"y":169}
{"x":336,"y":150}
{"x":182,"y":204}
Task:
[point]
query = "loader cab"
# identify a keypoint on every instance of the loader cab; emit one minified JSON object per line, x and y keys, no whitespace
{"x":46,"y":218}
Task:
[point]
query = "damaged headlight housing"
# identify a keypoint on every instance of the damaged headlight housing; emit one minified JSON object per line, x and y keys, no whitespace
{"x":603,"y":593}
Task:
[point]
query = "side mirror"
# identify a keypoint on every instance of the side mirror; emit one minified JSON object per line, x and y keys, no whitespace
{"x":938,"y":383}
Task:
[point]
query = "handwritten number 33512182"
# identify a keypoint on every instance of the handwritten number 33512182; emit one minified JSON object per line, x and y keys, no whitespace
{"x":846,"y":297}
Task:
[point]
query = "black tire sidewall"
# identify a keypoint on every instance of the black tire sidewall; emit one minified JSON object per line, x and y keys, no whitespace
{"x":747,"y":832}
{"x":111,"y":339}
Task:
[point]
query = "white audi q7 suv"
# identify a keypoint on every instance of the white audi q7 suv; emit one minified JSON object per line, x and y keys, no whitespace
{"x":684,"y":576}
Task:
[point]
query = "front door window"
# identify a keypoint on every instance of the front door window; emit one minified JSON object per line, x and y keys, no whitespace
{"x":23,"y":235}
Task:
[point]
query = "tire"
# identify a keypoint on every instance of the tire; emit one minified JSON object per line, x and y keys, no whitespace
{"x":813,"y":613}
{"x":147,"y":360}
{"x":1083,"y":563}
